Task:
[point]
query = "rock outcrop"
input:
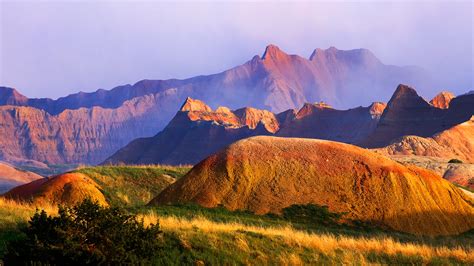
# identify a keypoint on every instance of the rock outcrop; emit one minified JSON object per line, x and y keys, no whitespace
{"x":267,"y":174}
{"x":442,"y":99}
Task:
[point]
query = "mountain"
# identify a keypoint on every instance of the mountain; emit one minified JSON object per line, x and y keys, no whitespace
{"x":409,"y":114}
{"x":266,"y":174}
{"x":276,"y":81}
{"x":11,"y":177}
{"x":98,"y":123}
{"x":454,"y":143}
{"x":195,"y":132}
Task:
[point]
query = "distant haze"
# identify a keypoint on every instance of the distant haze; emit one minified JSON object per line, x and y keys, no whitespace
{"x":51,"y":49}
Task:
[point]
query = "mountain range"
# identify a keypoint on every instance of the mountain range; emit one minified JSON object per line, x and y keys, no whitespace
{"x":197,"y":132}
{"x":89,"y":127}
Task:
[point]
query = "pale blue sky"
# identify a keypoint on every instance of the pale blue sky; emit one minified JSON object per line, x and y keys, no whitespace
{"x":51,"y":49}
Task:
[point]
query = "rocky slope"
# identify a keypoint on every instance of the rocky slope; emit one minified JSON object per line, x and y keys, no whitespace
{"x":454,"y":143}
{"x":458,"y":173}
{"x":11,"y":177}
{"x":409,"y":114}
{"x":266,"y":174}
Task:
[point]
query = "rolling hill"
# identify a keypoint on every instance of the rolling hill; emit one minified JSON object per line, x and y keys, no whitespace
{"x":266,"y":174}
{"x":116,"y":186}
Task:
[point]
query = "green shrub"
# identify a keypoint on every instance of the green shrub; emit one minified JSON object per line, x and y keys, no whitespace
{"x":85,"y":234}
{"x":455,"y":161}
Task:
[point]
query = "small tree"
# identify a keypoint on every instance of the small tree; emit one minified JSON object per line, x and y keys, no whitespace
{"x":85,"y":234}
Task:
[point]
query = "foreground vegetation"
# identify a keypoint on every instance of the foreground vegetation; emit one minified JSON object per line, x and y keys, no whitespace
{"x":191,"y":235}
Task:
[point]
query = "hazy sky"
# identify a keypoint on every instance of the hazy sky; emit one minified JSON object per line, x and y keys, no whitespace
{"x":51,"y":49}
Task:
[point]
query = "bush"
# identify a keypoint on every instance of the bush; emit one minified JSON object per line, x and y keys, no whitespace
{"x":455,"y":161}
{"x":85,"y":234}
{"x":311,"y":214}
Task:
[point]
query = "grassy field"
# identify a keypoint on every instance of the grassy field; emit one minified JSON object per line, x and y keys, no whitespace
{"x":216,"y":236}
{"x":132,"y":185}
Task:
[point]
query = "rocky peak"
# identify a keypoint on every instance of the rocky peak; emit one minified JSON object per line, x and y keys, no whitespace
{"x":309,"y":108}
{"x":251,"y":117}
{"x":405,"y":96}
{"x":273,"y":52}
{"x":442,"y":100}
{"x":194,"y":105}
{"x":10,"y":96}
{"x":223,"y":110}
{"x":356,"y":56}
{"x":377,"y":108}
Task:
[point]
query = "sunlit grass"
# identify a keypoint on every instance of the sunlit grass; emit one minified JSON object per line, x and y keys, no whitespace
{"x":328,"y":244}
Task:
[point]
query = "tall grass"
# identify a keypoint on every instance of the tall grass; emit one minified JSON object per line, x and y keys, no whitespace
{"x":328,"y":244}
{"x":15,"y":214}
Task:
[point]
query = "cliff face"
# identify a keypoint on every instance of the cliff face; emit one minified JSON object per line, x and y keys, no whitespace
{"x":85,"y":135}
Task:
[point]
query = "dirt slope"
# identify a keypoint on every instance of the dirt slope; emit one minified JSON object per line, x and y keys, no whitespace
{"x":69,"y":188}
{"x":12,"y":177}
{"x":266,"y":174}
